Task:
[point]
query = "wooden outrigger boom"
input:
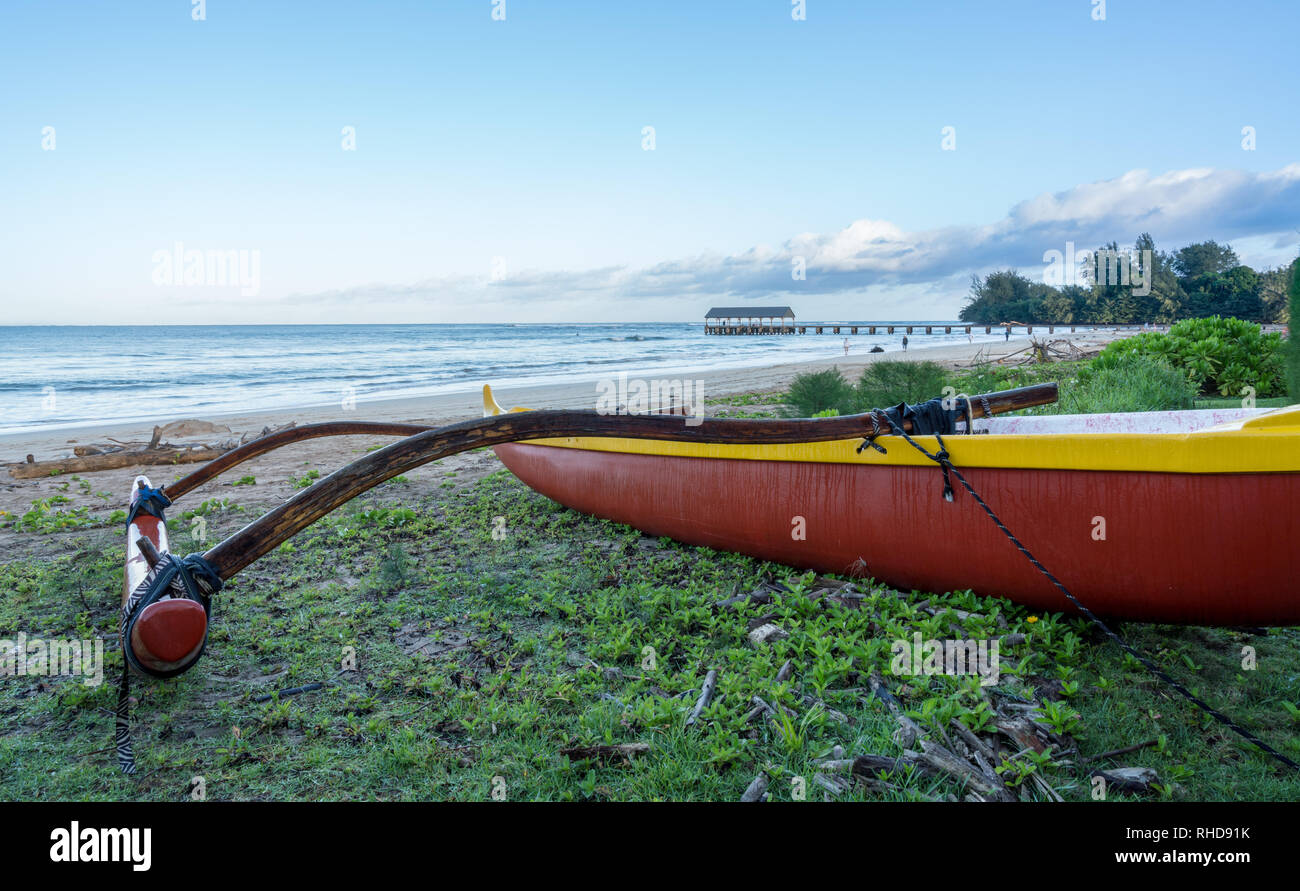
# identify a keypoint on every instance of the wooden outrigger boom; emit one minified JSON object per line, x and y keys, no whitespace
{"x":267,"y":533}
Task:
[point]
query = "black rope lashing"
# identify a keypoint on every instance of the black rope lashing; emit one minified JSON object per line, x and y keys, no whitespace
{"x":944,"y":464}
{"x":149,"y":501}
{"x":1243,"y":732}
{"x":930,"y":417}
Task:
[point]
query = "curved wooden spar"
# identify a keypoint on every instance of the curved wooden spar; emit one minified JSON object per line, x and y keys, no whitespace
{"x":267,"y":533}
{"x":273,"y":441}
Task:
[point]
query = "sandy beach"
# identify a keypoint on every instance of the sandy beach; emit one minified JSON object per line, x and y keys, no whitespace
{"x":274,"y":472}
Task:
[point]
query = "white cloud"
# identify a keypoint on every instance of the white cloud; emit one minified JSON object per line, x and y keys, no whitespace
{"x":877,"y":257}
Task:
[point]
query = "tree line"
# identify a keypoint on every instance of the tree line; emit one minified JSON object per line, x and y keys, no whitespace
{"x":1114,"y":286}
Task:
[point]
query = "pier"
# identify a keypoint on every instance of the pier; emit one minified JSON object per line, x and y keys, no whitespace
{"x":770,"y":320}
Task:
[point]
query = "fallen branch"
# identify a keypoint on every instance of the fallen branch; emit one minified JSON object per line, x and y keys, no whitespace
{"x":706,"y":696}
{"x":944,"y":761}
{"x":785,"y":673}
{"x":908,"y":730}
{"x":622,"y":752}
{"x":834,"y":714}
{"x":1045,"y":787}
{"x":112,"y":461}
{"x":871,"y":766}
{"x":761,"y":595}
{"x":985,"y":758}
{"x":835,"y":785}
{"x":757,"y":790}
{"x":1137,"y":780}
{"x":1114,"y":752}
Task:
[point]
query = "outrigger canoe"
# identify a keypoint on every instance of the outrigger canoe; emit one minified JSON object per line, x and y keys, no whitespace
{"x":1178,"y":517}
{"x":1168,"y":517}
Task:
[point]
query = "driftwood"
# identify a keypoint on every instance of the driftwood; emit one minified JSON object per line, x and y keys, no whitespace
{"x":1045,"y":787}
{"x":942,"y":760}
{"x":621,"y":752}
{"x":908,"y":730}
{"x":762,"y":595}
{"x":867,"y":771}
{"x":757,"y":790}
{"x":766,"y":633}
{"x":785,"y":673}
{"x":959,"y":754}
{"x":706,"y":696}
{"x":1116,"y":752}
{"x":1023,"y":732}
{"x":872,"y":765}
{"x":116,"y":453}
{"x":879,"y":786}
{"x":834,"y":714}
{"x":825,"y":589}
{"x":1137,"y":780}
{"x":1040,"y":350}
{"x":982,"y":754}
{"x":112,"y":461}
{"x":835,"y":785}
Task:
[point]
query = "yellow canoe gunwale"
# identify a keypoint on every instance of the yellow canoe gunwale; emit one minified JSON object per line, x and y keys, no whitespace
{"x":1267,"y":444}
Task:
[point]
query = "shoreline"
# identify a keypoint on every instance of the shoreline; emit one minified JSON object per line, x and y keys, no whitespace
{"x":56,"y":443}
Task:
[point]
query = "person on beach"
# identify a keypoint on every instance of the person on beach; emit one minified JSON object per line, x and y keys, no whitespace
{"x":1008,"y":333}
{"x":846,"y":346}
{"x":905,"y":343}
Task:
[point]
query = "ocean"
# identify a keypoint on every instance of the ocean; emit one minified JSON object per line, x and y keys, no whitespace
{"x":53,"y":377}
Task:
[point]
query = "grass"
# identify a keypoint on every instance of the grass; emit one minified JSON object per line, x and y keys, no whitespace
{"x":492,"y":628}
{"x":1109,"y":383}
{"x":1221,"y":402}
{"x":1134,"y":383}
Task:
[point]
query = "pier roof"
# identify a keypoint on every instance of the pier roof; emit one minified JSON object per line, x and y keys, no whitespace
{"x":749,"y":312}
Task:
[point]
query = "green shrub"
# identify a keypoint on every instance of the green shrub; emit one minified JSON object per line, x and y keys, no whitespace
{"x":1115,"y":382}
{"x":1293,"y":340}
{"x":992,"y":378}
{"x":1223,"y":356}
{"x":890,"y":382}
{"x":819,"y":391}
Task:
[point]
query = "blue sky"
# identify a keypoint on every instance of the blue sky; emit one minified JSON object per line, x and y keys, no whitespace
{"x":500,"y":174}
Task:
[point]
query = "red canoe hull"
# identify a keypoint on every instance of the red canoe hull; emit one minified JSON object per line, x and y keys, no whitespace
{"x":1214,"y":549}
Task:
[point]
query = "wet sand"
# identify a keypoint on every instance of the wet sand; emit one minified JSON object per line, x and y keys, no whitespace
{"x":274,"y":472}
